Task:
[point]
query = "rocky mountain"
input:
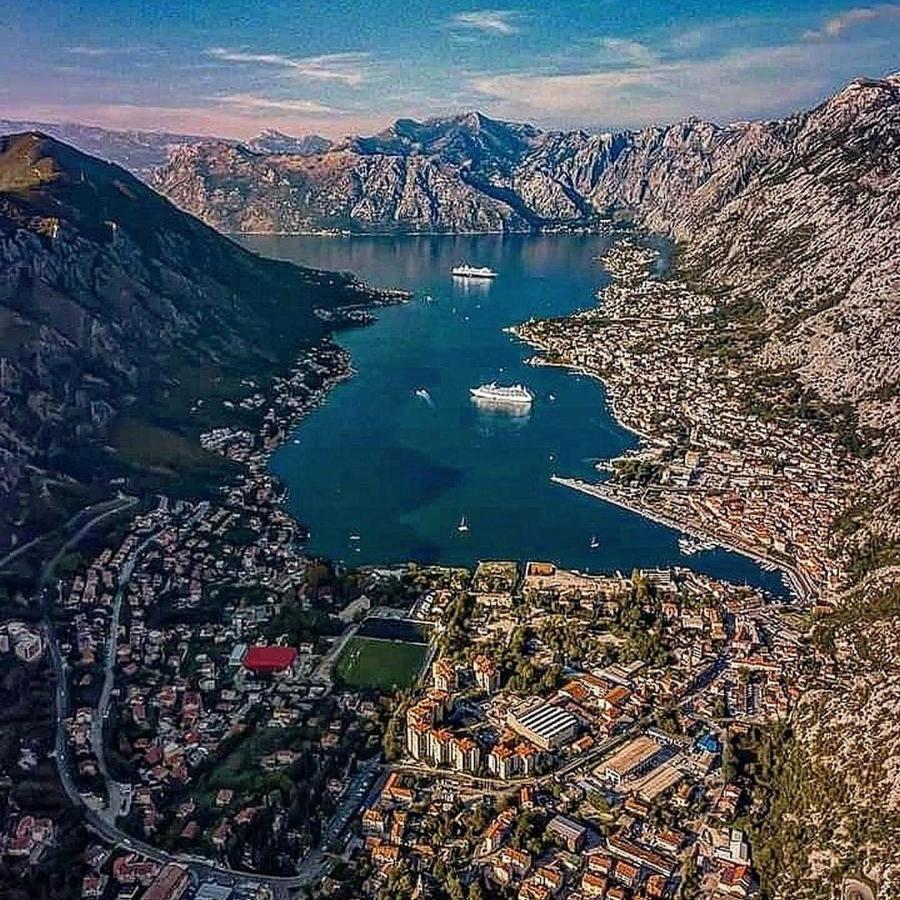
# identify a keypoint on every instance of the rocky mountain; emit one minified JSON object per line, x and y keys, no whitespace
{"x":271,"y":141}
{"x":138,"y":151}
{"x":116,"y":308}
{"x":473,"y":173}
{"x":454,"y":174}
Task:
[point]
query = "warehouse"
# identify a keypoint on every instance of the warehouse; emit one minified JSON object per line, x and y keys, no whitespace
{"x":547,"y":726}
{"x":635,"y":758}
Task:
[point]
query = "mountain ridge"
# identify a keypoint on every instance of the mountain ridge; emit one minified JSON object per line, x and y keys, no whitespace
{"x":112,"y":303}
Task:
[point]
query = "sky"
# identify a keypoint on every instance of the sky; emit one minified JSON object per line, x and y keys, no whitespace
{"x":336,"y":67}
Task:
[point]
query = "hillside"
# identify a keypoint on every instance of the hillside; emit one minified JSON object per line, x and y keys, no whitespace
{"x":116,"y":309}
{"x":138,"y":151}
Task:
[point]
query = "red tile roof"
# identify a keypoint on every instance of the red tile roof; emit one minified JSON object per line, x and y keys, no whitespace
{"x":269,"y":659}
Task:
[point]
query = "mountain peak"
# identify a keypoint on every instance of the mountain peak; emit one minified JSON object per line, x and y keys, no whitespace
{"x":273,"y":141}
{"x":31,"y":158}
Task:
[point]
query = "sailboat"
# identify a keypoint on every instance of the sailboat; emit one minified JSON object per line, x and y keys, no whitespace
{"x":463,"y":525}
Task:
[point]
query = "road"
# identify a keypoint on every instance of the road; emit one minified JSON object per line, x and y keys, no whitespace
{"x":322,"y":673}
{"x":116,"y":504}
{"x":113,"y":789}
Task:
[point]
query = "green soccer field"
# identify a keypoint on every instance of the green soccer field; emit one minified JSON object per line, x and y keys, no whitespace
{"x":383,"y":665}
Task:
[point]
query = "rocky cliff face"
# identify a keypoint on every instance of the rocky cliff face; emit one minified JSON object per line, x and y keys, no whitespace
{"x":109,"y":296}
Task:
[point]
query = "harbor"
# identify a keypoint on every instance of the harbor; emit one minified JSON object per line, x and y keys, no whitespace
{"x":401,"y":452}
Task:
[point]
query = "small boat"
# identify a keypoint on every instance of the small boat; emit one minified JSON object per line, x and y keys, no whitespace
{"x":422,"y":394}
{"x":296,"y":440}
{"x":354,"y":537}
{"x":463,"y":525}
{"x":467,"y":271}
{"x":551,"y":396}
{"x":594,"y":542}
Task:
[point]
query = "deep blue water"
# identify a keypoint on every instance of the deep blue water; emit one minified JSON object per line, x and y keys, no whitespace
{"x":399,"y":471}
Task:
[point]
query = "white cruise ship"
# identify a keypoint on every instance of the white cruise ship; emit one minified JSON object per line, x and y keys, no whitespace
{"x":466,"y":271}
{"x":501,"y":393}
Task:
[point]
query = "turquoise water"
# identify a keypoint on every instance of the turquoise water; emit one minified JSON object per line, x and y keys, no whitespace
{"x":400,"y":471}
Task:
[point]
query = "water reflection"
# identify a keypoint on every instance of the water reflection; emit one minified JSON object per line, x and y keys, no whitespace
{"x":518,"y":413}
{"x":475,"y":286}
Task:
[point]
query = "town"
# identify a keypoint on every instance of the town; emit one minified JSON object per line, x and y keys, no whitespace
{"x":727,"y":453}
{"x":237,"y":720}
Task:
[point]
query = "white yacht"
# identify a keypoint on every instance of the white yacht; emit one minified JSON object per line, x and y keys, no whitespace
{"x":516,"y":394}
{"x":466,"y":271}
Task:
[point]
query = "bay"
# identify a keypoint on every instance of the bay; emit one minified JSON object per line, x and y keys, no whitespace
{"x":399,"y":470}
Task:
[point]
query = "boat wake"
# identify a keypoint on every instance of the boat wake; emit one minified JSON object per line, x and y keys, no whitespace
{"x":423,"y":394}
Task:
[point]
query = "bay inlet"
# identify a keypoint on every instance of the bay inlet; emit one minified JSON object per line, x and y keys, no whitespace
{"x":385,"y":470}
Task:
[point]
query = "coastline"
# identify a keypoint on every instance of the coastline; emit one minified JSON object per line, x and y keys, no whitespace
{"x":600,"y":491}
{"x":797,"y":584}
{"x":628,"y":273}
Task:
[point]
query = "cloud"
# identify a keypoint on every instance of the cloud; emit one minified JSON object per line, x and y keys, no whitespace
{"x":251,"y":103}
{"x":628,"y":52}
{"x":737,"y":85}
{"x":351,"y":69}
{"x":837,"y":25}
{"x":491,"y":21}
{"x":86,"y":50}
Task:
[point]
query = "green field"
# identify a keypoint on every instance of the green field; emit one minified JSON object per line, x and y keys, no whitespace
{"x":371,"y":663}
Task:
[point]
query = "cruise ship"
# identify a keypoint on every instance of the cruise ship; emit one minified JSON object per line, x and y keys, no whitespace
{"x":466,"y":271}
{"x":501,"y":393}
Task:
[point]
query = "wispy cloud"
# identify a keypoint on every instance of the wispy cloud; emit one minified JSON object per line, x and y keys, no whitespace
{"x":252,"y":103}
{"x":491,"y":21}
{"x":351,"y":69}
{"x":88,"y":50}
{"x":627,"y":52}
{"x":737,"y":85}
{"x":836,"y":25}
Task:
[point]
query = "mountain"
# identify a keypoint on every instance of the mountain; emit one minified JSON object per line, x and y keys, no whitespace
{"x":116,"y":309}
{"x":453,"y":174}
{"x":273,"y":142}
{"x":138,"y":151}
{"x":799,"y":215}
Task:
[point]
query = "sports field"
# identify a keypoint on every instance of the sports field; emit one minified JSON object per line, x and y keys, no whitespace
{"x":370,"y":663}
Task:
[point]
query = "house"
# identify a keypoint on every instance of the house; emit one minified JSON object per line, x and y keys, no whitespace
{"x":444,"y":675}
{"x":571,"y":834}
{"x":487,"y":676}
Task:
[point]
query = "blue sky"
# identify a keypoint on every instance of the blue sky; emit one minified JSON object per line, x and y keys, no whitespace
{"x":233,"y":67}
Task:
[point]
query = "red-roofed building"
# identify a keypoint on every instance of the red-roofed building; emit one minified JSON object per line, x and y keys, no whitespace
{"x":269,"y":660}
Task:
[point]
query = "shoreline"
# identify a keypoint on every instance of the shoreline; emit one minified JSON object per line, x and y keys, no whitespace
{"x":798,"y":585}
{"x":598,"y":490}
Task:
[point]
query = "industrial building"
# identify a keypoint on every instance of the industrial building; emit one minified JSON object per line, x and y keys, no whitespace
{"x":634,"y":759}
{"x":546,"y":726}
